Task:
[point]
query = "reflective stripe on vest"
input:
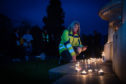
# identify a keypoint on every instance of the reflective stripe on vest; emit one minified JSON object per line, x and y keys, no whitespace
{"x":71,"y":50}
{"x":61,"y":46}
{"x":68,"y":45}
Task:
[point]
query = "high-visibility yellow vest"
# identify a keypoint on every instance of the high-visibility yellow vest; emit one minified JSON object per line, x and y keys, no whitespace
{"x":68,"y":41}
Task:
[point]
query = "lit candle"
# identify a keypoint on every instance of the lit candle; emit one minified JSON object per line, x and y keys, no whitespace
{"x":85,"y":61}
{"x":78,"y":64}
{"x":103,"y":54}
{"x":86,"y":66}
{"x":90,"y":70}
{"x":78,"y":69}
{"x":101,"y":72}
{"x":92,"y":59}
{"x":89,"y":61}
{"x":81,"y":60}
{"x":83,"y":72}
{"x":95,"y":60}
{"x":95,"y":64}
{"x":102,"y":59}
{"x":96,"y":70}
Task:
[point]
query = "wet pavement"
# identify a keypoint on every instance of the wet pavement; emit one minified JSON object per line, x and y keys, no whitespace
{"x":70,"y":76}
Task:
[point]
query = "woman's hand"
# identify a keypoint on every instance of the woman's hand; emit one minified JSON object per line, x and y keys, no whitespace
{"x":84,"y":48}
{"x":73,"y":59}
{"x":79,"y":49}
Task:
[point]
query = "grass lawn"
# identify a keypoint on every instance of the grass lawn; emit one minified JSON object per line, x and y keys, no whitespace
{"x":28,"y":71}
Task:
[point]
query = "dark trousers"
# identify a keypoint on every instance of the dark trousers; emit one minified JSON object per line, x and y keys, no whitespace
{"x":66,"y":56}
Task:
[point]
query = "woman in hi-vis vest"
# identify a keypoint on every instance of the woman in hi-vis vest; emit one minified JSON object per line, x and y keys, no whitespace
{"x":70,"y":46}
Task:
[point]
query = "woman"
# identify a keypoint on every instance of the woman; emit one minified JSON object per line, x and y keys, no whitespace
{"x":27,"y":44}
{"x":70,"y":45}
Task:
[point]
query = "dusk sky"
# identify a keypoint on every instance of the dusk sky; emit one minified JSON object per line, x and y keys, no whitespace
{"x":84,"y":11}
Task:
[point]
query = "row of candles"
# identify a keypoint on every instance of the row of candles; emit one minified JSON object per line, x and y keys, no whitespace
{"x":89,"y":65}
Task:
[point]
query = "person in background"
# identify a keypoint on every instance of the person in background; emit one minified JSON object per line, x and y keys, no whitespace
{"x":45,"y":36}
{"x":27,"y":44}
{"x":15,"y":46}
{"x":70,"y":45}
{"x":45,"y":39}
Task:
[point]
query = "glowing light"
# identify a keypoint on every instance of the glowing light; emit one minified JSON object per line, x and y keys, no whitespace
{"x":78,"y":64}
{"x":95,"y":63}
{"x":96,"y":70}
{"x":78,"y":69}
{"x":103,"y":54}
{"x":85,"y":61}
{"x":90,"y":70}
{"x":101,"y":72}
{"x":82,"y":61}
{"x":90,"y":66}
{"x":89,"y":62}
{"x":84,"y":72}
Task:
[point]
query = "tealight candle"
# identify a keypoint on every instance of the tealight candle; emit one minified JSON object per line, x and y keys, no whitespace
{"x":85,"y":61}
{"x":83,"y":72}
{"x":96,"y":70}
{"x":101,"y":72}
{"x":78,"y":69}
{"x":81,"y":60}
{"x":78,"y":64}
{"x":89,"y":61}
{"x":90,"y":70}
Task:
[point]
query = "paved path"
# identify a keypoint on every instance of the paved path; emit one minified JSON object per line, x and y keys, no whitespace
{"x":72,"y":77}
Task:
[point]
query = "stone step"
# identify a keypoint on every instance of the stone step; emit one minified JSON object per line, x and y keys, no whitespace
{"x":66,"y":74}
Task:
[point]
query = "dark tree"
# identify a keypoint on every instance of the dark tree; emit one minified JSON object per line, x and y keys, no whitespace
{"x":88,"y":40}
{"x":36,"y":33}
{"x":5,"y":30}
{"x":54,"y":19}
{"x":95,"y":44}
{"x":54,"y":22}
{"x":24,"y":26}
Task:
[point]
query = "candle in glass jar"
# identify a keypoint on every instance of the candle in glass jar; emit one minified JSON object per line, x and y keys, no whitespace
{"x":100,"y":72}
{"x":96,"y":70}
{"x":89,"y":61}
{"x":90,"y":70}
{"x":78,"y":64}
{"x":83,"y":72}
{"x":78,"y":69}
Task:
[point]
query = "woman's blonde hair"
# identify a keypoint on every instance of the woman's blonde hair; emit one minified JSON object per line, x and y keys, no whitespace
{"x":71,"y":26}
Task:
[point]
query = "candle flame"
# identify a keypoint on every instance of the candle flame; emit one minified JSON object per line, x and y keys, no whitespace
{"x":101,"y":70}
{"x":78,"y":68}
{"x":90,"y":70}
{"x":84,"y":72}
{"x":103,"y":54}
